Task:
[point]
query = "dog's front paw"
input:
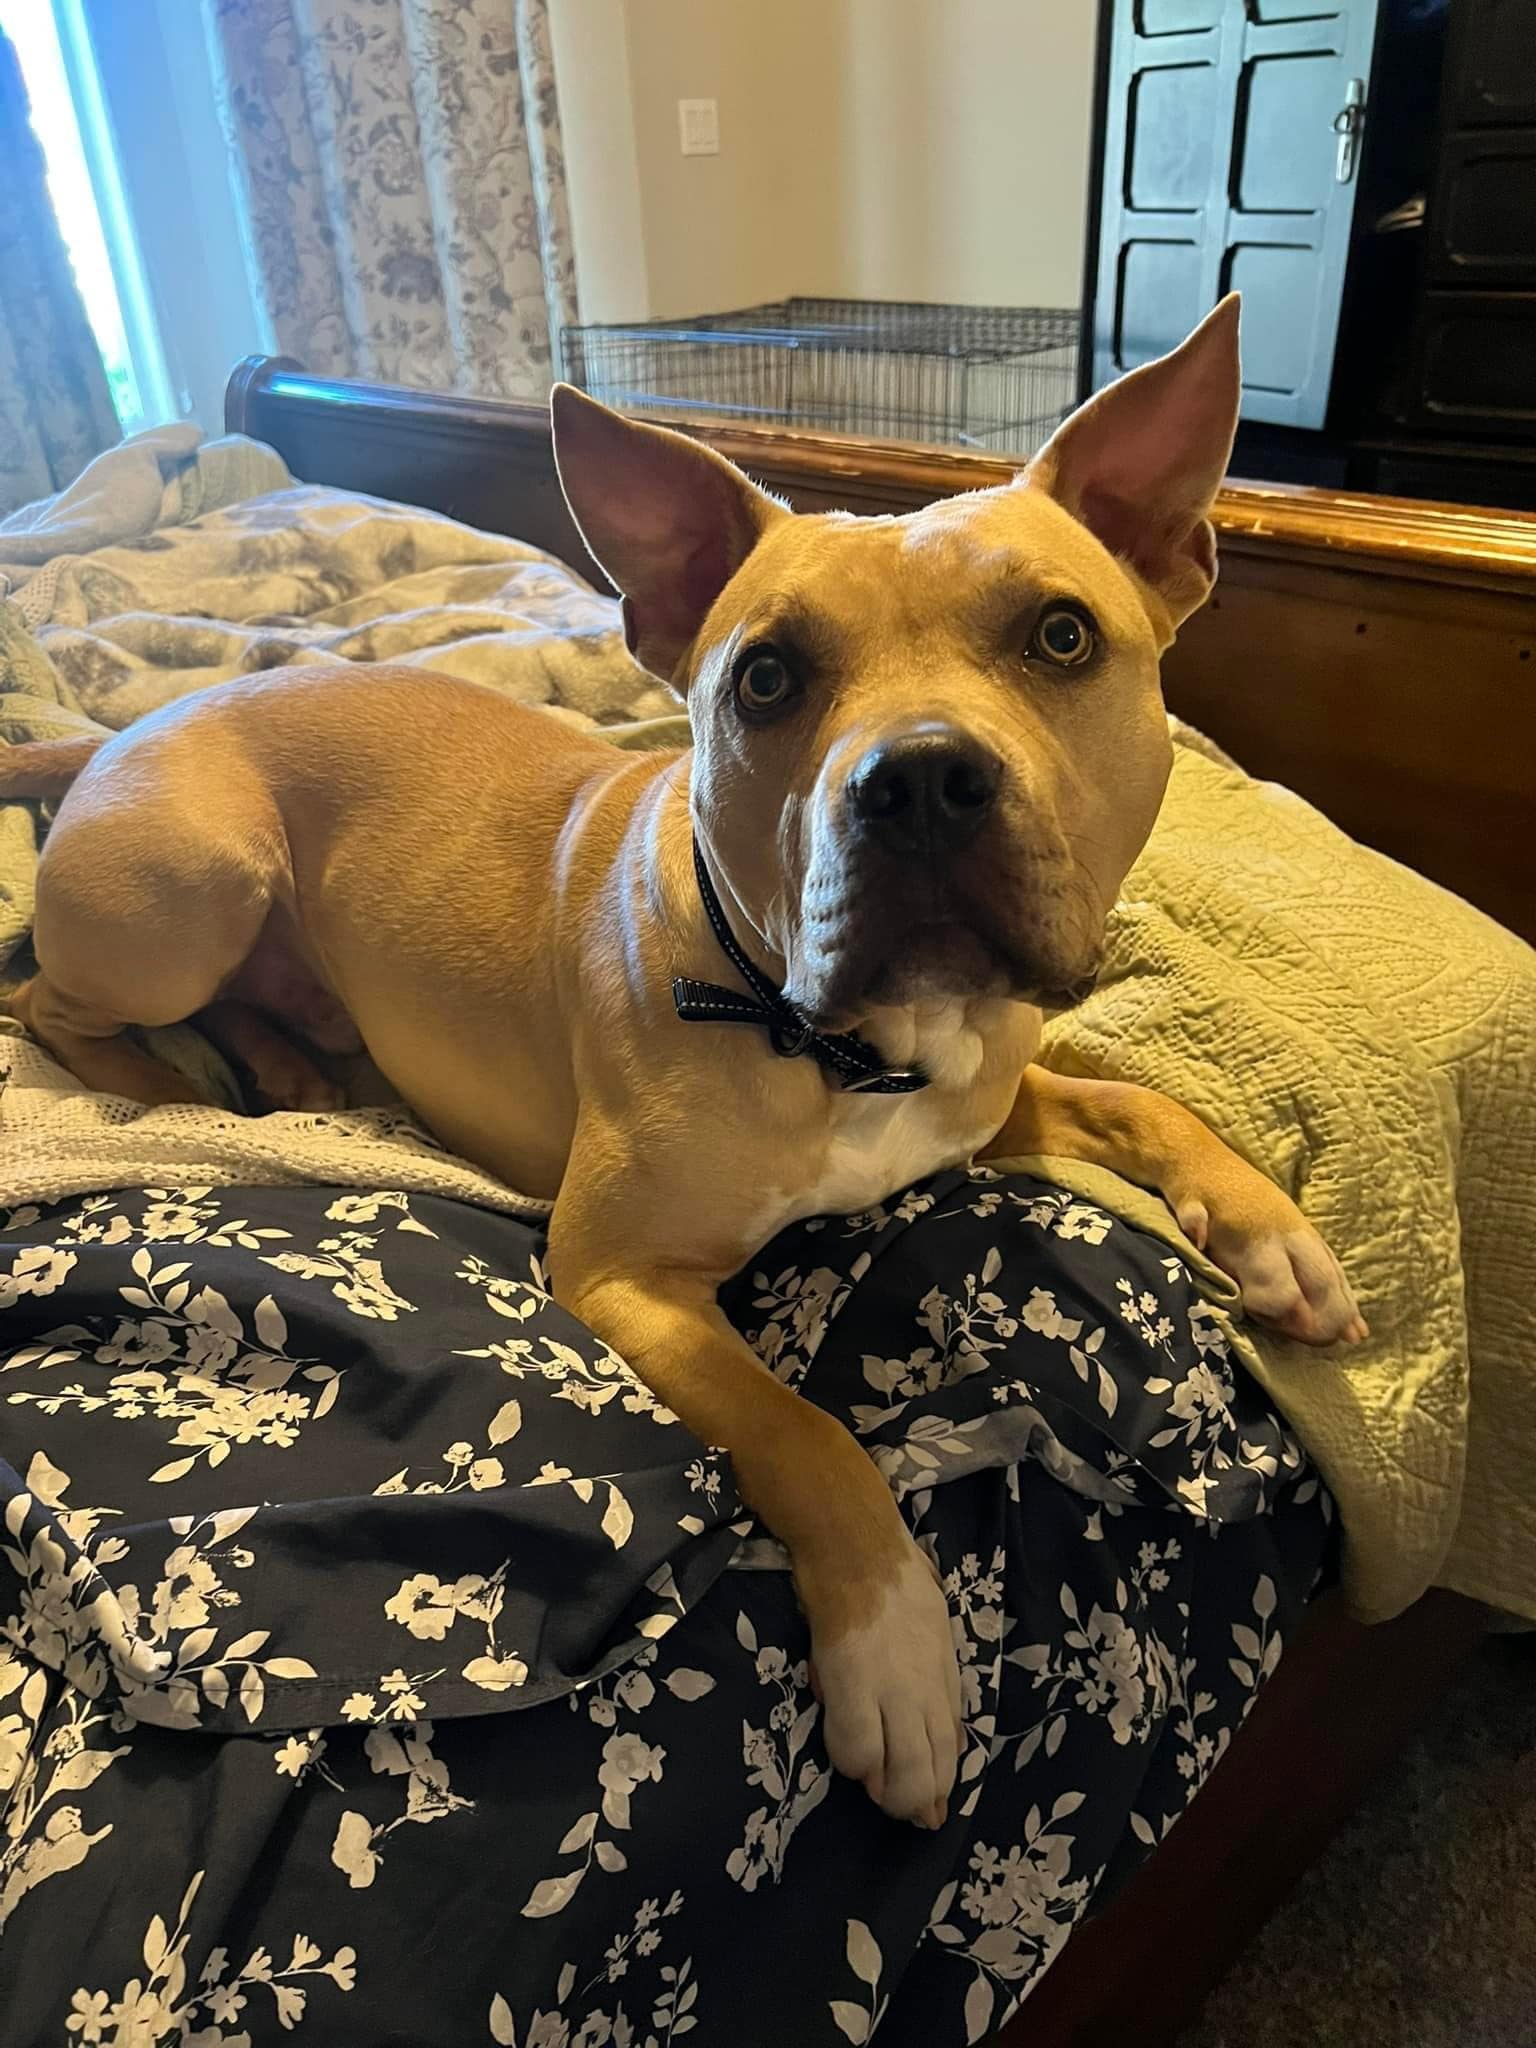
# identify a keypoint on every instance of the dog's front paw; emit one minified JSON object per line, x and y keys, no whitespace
{"x":1290,"y":1279}
{"x":890,"y":1692}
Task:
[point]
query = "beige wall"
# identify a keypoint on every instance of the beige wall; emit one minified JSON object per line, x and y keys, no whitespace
{"x":597,"y":120}
{"x":926,"y":149}
{"x":658,"y":233}
{"x":732,"y":229}
{"x":966,"y":149}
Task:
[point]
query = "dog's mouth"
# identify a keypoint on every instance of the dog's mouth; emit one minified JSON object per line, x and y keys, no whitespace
{"x":893,"y":960}
{"x":938,"y":960}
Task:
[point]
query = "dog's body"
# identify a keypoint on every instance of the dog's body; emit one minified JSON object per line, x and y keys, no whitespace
{"x":559,"y":919}
{"x":915,"y":815}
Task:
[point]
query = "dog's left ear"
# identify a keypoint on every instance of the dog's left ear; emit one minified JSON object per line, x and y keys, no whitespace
{"x":669,"y":520}
{"x":1141,"y":462}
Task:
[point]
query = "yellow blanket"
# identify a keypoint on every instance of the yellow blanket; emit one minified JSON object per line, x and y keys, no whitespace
{"x":1370,"y":1041}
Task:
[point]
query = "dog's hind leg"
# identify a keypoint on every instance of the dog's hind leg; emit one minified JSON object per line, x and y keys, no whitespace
{"x":149,"y":899}
{"x":96,"y":1049}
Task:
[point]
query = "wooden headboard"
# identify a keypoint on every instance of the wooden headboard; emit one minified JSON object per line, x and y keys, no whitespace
{"x":1378,"y":655}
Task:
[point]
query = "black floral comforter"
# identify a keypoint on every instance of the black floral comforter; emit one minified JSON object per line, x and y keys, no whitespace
{"x":379,"y":1663}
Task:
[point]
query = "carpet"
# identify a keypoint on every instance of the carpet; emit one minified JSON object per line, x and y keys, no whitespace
{"x":1417,"y":1929}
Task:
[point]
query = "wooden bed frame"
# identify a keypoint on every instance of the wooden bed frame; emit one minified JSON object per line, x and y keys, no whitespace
{"x":1376,"y":655}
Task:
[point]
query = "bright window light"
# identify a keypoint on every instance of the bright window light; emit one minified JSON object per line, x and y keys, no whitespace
{"x":32,"y":30}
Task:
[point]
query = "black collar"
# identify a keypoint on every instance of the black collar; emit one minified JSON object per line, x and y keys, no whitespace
{"x":854,"y":1063}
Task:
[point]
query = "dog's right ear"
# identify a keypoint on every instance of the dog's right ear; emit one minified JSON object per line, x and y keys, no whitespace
{"x":1140,"y":464}
{"x":669,"y":520}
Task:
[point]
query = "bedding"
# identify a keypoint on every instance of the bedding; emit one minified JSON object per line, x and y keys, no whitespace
{"x":309,"y":1487}
{"x":1388,"y":1032}
{"x":379,"y":1662}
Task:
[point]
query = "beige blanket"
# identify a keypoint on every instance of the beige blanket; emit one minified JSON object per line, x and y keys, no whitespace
{"x":1360,"y":1034}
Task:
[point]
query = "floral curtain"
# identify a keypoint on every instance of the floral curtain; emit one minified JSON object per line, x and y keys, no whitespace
{"x":404,"y":185}
{"x":55,"y":409}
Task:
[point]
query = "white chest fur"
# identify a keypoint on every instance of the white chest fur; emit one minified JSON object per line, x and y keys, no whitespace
{"x":872,"y":1145}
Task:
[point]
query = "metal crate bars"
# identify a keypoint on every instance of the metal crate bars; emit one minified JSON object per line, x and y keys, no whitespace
{"x":990,"y":377}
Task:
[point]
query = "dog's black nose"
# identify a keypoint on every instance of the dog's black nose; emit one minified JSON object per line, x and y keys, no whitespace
{"x":927,"y":791}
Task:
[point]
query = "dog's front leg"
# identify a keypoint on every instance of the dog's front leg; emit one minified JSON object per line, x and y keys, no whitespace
{"x":881,"y":1644}
{"x":1251,"y":1228}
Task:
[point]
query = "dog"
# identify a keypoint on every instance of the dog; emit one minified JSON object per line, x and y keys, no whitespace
{"x":692,"y":997}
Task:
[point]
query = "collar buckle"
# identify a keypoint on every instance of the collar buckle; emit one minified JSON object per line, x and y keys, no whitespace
{"x":790,"y":1039}
{"x":887,"y":1081}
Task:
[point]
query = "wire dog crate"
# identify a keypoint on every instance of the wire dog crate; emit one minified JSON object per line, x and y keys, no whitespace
{"x":993,"y":377}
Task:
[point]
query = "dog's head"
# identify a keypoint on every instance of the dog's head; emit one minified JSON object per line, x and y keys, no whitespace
{"x":927,"y":748}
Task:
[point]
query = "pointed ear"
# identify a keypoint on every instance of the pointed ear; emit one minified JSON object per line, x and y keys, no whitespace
{"x":669,"y":520}
{"x":1141,"y":462}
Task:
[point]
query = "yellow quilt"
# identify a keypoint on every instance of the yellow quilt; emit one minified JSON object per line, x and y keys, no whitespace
{"x":1370,"y":1041}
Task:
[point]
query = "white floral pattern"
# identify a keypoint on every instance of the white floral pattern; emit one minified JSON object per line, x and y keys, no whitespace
{"x":779,"y":1761}
{"x":223,"y":1387}
{"x":172,"y":1362}
{"x":160,"y":2007}
{"x":476,"y":1621}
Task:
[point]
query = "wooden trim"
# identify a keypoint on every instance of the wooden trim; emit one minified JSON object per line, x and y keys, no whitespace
{"x":487,"y":462}
{"x":1455,"y":543}
{"x":271,"y":398}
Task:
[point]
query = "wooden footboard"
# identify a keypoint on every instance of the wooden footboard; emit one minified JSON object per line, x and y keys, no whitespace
{"x":1377,"y":655}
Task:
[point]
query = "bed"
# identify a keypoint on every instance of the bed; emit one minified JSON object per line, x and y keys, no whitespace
{"x":324,"y":1703}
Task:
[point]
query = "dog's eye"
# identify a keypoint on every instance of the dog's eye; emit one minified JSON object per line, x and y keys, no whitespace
{"x":764,"y":682}
{"x":1064,"y":636}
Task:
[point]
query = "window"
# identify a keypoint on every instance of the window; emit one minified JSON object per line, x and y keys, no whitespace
{"x":69,"y":122}
{"x":125,"y":105}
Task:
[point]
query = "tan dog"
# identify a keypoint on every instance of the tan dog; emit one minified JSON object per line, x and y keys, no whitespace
{"x":926,"y":752}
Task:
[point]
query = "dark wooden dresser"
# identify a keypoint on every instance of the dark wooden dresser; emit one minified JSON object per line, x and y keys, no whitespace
{"x":1475,"y":355}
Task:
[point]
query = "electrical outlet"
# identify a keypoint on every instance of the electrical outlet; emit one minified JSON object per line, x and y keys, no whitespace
{"x":698,"y":127}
